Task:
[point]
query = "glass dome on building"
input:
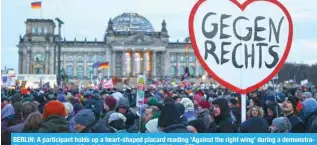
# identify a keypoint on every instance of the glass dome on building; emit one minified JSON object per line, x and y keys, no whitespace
{"x":131,"y":22}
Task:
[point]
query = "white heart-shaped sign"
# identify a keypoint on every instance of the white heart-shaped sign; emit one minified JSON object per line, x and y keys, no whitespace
{"x":242,"y":46}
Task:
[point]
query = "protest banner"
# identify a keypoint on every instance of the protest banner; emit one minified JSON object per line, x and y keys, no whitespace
{"x":140,"y":90}
{"x":241,"y":45}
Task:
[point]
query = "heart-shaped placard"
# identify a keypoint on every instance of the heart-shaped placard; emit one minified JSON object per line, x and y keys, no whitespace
{"x":242,"y":46}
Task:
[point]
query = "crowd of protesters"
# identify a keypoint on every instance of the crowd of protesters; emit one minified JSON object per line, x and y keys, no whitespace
{"x":165,"y":110}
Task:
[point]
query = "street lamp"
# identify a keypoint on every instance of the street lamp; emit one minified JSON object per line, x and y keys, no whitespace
{"x":60,"y":23}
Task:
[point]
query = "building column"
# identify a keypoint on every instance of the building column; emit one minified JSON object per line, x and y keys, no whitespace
{"x":113,"y":63}
{"x":133,"y":63}
{"x":153,"y":69}
{"x":20,"y":62}
{"x":145,"y":63}
{"x":46,"y":57}
{"x":124,"y":63}
{"x":166,"y":64}
{"x":75,"y":64}
{"x":196,"y":68}
{"x":51,"y":63}
{"x":105,"y":72}
{"x":177,"y":64}
{"x":28,"y":61}
{"x":85,"y":67}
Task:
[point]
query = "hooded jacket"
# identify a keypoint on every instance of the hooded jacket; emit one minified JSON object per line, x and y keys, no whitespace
{"x":224,"y":122}
{"x":310,"y":113}
{"x":54,"y":124}
{"x":170,"y":120}
{"x":189,"y":113}
{"x":130,"y":124}
{"x":273,"y":107}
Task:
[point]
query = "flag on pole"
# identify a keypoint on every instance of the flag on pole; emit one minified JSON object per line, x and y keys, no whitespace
{"x":104,"y":65}
{"x":186,"y":74}
{"x":36,"y":5}
{"x":96,"y":65}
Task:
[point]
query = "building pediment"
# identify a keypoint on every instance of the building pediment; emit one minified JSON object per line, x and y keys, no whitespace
{"x":139,"y":40}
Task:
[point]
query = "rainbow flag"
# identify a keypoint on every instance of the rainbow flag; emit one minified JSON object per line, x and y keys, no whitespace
{"x":104,"y":65}
{"x":36,"y":5}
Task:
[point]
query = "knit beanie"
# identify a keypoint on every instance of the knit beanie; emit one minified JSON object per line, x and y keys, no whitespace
{"x":309,"y":105}
{"x":152,"y":101}
{"x":54,"y":108}
{"x":204,"y":105}
{"x":198,"y":124}
{"x":111,"y":102}
{"x":85,"y":117}
{"x":282,"y":124}
{"x":294,"y":102}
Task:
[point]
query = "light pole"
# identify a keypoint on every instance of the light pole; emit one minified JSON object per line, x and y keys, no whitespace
{"x":60,"y":23}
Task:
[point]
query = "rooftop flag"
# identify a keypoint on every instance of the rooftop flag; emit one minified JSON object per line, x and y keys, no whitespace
{"x":36,"y":5}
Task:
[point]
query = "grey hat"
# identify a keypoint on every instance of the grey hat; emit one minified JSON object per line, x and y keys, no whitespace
{"x":85,"y":117}
{"x":282,"y":124}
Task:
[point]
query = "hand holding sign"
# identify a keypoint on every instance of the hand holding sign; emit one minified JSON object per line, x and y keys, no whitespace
{"x":244,"y":45}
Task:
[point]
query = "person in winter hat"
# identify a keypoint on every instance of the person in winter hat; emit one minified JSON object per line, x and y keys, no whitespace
{"x":123,"y":108}
{"x":54,"y":118}
{"x":110,"y":104}
{"x":254,"y":125}
{"x":310,"y":113}
{"x":117,"y":122}
{"x":152,"y":101}
{"x":221,"y":114}
{"x":280,"y":125}
{"x":290,"y":111}
{"x":84,"y":120}
{"x":196,"y":126}
{"x":170,"y":120}
{"x":27,"y":109}
{"x":189,"y":113}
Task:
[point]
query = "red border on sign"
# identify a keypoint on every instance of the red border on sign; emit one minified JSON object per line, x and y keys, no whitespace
{"x":242,"y":7}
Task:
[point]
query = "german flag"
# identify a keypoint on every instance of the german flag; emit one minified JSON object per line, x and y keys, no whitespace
{"x":104,"y":65}
{"x":36,"y":5}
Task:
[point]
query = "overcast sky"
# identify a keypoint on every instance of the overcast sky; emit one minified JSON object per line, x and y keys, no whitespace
{"x":88,"y":19}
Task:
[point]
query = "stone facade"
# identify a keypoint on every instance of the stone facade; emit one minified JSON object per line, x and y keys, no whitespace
{"x":129,"y":53}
